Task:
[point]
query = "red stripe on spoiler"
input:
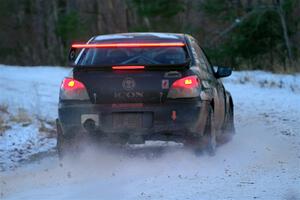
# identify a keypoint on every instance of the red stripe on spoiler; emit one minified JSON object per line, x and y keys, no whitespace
{"x":128,"y":67}
{"x":125,"y":45}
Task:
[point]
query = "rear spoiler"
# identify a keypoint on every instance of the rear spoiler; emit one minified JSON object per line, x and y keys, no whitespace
{"x":151,"y":67}
{"x":73,"y":50}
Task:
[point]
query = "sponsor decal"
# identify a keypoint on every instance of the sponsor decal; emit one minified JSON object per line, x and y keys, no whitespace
{"x":122,"y":95}
{"x":165,"y":84}
{"x":128,"y":84}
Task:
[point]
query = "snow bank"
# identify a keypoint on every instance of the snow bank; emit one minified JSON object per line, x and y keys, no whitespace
{"x":266,"y":80}
{"x":32,"y":88}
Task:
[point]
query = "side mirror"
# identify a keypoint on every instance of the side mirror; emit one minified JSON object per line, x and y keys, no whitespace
{"x":221,"y":72}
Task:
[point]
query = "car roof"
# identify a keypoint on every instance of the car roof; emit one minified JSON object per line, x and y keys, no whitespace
{"x":145,"y":36}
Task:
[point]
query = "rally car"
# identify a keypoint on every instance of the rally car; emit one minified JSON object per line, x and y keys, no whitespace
{"x":133,"y":87}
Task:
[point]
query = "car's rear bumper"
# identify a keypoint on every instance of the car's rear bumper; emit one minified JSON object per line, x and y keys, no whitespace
{"x":149,"y":120}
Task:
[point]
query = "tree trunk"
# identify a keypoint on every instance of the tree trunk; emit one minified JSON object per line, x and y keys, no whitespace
{"x":285,"y":31}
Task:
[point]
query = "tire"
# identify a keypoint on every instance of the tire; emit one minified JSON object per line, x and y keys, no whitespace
{"x":228,"y":129}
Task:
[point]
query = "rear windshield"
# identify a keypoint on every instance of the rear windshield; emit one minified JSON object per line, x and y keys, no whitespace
{"x":129,"y":56}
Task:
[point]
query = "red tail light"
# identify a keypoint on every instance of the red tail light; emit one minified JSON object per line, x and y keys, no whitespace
{"x":187,"y":87}
{"x":72,"y":89}
{"x":128,"y":67}
{"x":187,"y":82}
{"x":71,"y":84}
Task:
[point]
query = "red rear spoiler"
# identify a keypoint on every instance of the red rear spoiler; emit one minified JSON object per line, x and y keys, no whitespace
{"x":73,"y":51}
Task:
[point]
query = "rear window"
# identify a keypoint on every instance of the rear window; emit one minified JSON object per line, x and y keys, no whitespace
{"x":130,"y":56}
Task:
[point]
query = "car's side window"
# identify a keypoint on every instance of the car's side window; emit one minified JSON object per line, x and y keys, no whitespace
{"x":208,"y":64}
{"x":196,"y":54}
{"x":200,"y":57}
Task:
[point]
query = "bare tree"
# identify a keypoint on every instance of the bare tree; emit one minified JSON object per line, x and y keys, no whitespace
{"x":281,"y":14}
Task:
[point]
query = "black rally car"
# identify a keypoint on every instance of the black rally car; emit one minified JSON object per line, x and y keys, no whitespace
{"x":134,"y":87}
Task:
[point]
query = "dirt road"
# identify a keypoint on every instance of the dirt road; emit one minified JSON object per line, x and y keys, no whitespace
{"x":261,"y":162}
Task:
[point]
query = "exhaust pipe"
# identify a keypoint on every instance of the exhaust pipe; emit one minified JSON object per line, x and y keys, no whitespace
{"x":90,"y":122}
{"x":89,"y":125}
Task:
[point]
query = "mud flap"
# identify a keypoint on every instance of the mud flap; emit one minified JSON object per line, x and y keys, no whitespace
{"x":201,"y":122}
{"x":59,"y":141}
{"x":204,"y":131}
{"x":228,"y":129}
{"x":63,"y":145}
{"x":212,"y":137}
{"x":210,"y":133}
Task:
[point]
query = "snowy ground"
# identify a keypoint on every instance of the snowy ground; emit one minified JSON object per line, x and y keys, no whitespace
{"x":28,"y":108}
{"x":261,"y":162}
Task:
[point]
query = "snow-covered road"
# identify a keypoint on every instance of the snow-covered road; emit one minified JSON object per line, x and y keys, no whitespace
{"x":261,"y":162}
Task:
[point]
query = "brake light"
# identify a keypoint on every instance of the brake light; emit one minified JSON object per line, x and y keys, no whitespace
{"x":126,"y":45}
{"x":128,"y":67}
{"x":71,"y":84}
{"x":72,"y":89}
{"x":187,"y":87}
{"x":186,"y":82}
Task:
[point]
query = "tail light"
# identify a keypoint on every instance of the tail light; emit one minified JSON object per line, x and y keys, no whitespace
{"x":187,"y":87}
{"x":72,"y":89}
